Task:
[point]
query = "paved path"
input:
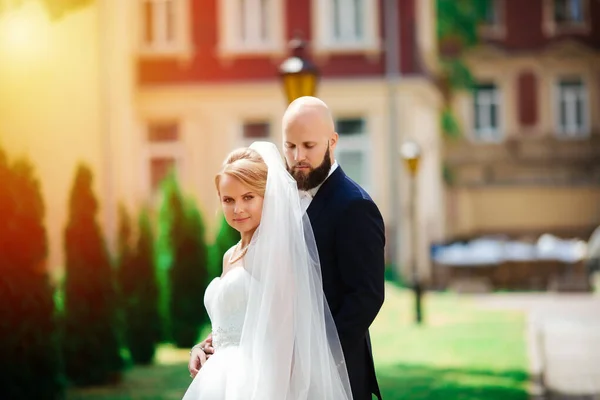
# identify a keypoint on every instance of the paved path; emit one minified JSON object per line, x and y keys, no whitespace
{"x":563,"y":338}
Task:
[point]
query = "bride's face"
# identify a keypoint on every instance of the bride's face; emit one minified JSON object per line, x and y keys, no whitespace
{"x":242,"y":206}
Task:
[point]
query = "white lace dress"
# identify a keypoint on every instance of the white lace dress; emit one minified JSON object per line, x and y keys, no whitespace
{"x":225,"y":300}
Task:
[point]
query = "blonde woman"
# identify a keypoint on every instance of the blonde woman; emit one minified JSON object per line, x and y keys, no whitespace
{"x":273,"y":335}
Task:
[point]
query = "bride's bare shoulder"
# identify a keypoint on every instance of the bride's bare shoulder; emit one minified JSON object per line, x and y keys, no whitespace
{"x":226,"y":258}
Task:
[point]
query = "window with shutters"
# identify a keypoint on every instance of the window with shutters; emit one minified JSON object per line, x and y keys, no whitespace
{"x":251,"y":26}
{"x":487,"y":113}
{"x":572,"y":108}
{"x":255,"y":130}
{"x":566,"y":16}
{"x":346,"y":25}
{"x":569,"y":12}
{"x":164,"y":153}
{"x":160,"y":168}
{"x":353,"y":149}
{"x":165,"y":28}
{"x":493,"y":24}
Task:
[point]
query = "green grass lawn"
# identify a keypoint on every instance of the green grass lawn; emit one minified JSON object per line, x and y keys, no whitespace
{"x":461,"y":352}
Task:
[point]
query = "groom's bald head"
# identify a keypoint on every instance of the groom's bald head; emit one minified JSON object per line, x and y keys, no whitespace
{"x":311,"y":111}
{"x":309,"y":137}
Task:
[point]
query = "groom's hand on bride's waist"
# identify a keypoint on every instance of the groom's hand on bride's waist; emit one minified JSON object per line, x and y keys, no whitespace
{"x":199,"y":354}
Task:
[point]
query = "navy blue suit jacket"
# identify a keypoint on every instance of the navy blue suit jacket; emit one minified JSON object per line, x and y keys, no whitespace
{"x":350,"y":236}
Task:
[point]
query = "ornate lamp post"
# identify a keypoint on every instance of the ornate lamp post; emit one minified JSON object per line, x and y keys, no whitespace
{"x":410,"y":152}
{"x":298,"y":74}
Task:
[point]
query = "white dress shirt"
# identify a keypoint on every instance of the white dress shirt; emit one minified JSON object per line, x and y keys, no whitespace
{"x":306,"y":196}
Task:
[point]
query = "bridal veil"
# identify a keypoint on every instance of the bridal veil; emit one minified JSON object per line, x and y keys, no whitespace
{"x":289,"y":342}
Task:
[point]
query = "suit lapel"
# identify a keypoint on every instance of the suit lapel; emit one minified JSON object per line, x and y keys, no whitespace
{"x":323,"y":196}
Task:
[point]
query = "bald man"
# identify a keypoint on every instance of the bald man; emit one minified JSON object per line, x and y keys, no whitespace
{"x":349,"y":232}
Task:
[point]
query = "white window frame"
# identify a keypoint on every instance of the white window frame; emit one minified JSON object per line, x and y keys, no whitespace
{"x":153,"y":150}
{"x":323,"y":25}
{"x":359,"y":142}
{"x":487,"y":133}
{"x":551,"y":27}
{"x":231,"y":37}
{"x":180,"y":46}
{"x":497,"y":30}
{"x":570,"y":95}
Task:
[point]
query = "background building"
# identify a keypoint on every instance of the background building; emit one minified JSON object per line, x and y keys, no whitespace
{"x":529,"y":161}
{"x":147,"y":85}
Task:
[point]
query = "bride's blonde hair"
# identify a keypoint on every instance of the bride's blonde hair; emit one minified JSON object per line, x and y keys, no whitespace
{"x":248,"y":167}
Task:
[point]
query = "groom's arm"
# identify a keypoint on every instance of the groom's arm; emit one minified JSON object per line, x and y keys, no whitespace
{"x":360,"y":242}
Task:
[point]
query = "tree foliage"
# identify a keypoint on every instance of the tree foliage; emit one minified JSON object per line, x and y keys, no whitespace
{"x":29,"y":331}
{"x":458,"y":24}
{"x":184,"y":264}
{"x":138,"y":287}
{"x":92,"y":348}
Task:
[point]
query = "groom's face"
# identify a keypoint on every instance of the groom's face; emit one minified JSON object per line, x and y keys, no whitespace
{"x":308,"y":143}
{"x":308,"y":177}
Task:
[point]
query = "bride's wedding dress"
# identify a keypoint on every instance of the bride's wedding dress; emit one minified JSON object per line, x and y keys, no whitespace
{"x":225,"y":299}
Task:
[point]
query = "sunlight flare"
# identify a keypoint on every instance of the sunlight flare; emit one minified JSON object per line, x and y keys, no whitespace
{"x":24,"y":33}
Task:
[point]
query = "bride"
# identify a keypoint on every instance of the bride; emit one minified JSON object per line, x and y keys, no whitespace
{"x":273,"y":333}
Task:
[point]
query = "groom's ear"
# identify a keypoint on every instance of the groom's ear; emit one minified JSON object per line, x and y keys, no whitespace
{"x":333,"y":140}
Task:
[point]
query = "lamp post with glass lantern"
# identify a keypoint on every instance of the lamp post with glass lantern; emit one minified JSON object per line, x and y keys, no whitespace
{"x":410,"y":152}
{"x":298,"y":74}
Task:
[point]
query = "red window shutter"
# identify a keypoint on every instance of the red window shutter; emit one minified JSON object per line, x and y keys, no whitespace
{"x":528,"y":99}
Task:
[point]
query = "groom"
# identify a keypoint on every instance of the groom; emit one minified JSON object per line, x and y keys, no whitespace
{"x":349,"y":232}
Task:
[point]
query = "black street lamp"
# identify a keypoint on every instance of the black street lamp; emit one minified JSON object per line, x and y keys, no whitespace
{"x":298,"y":74}
{"x":410,"y":152}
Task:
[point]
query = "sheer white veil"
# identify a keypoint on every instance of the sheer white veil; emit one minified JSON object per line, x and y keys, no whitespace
{"x":289,"y":341}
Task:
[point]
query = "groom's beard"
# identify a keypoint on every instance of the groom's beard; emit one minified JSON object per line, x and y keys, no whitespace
{"x":315,"y":176}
